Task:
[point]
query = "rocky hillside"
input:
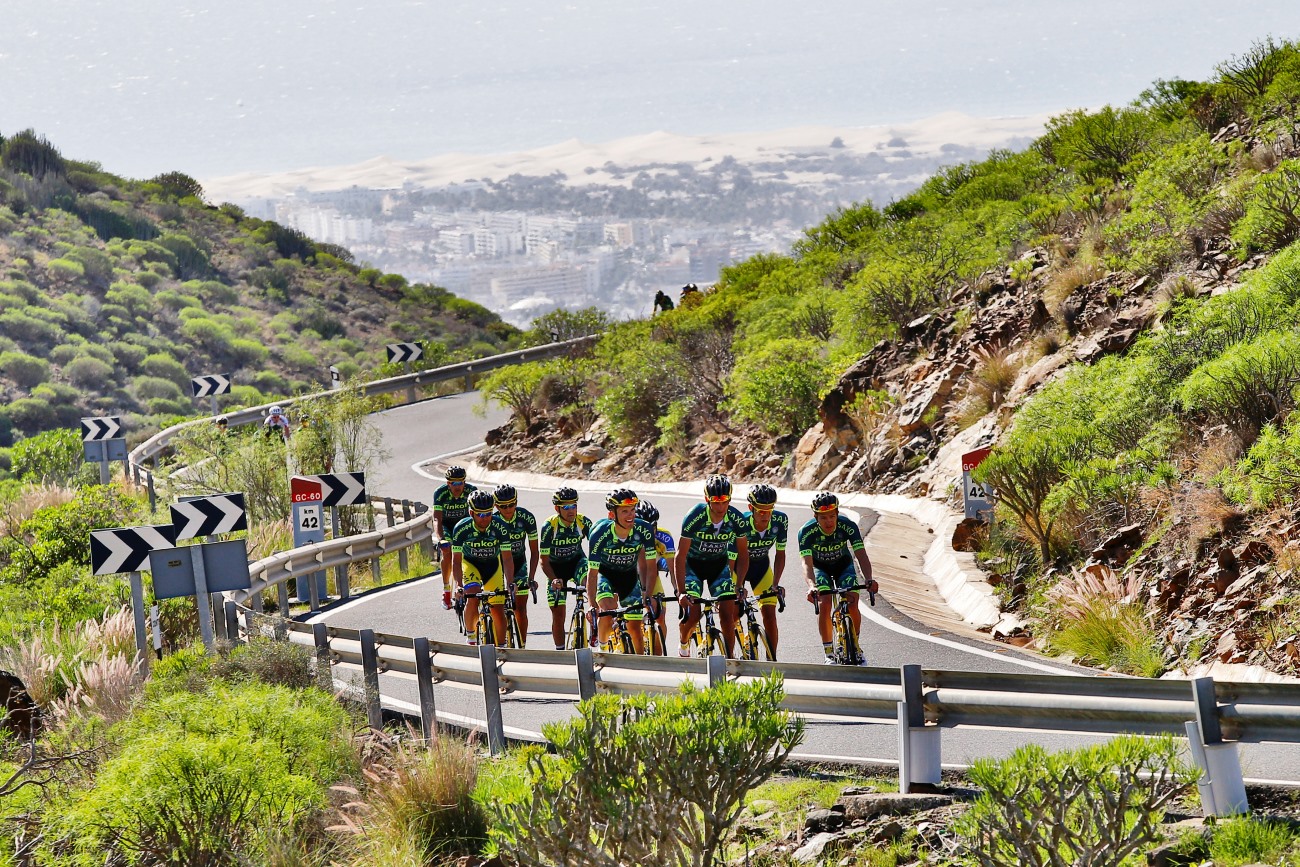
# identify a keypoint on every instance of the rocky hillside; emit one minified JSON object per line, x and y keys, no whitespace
{"x":1112,"y":309}
{"x":114,"y":293}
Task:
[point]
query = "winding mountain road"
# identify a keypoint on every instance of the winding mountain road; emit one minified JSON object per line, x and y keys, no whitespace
{"x":910,"y":623}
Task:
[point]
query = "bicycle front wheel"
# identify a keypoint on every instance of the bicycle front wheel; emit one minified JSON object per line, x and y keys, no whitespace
{"x":513,"y":636}
{"x":716,"y":647}
{"x":745,"y":648}
{"x":484,"y":632}
{"x":759,"y":643}
{"x":851,"y":646}
{"x":577,"y":631}
{"x":654,"y":639}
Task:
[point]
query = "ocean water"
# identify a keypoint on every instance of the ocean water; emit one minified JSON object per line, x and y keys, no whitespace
{"x":215,"y":88}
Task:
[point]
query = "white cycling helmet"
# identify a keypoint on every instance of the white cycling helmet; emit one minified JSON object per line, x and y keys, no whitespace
{"x":277,"y":410}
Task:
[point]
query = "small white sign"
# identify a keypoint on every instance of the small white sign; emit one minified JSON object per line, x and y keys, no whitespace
{"x":308,"y":517}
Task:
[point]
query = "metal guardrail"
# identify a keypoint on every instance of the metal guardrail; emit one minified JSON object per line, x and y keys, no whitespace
{"x":921,"y":702}
{"x":155,"y":445}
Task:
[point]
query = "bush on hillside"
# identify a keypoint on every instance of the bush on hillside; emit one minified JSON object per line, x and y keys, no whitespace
{"x":648,"y":780}
{"x":1097,"y":805}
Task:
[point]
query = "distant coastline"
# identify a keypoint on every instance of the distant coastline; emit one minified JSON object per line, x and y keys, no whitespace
{"x":585,"y":163}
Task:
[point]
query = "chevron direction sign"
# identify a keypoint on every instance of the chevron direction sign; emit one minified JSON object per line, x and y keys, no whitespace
{"x":127,"y":549}
{"x":96,"y":429}
{"x":342,"y":489}
{"x":216,"y":383}
{"x":208,"y":516}
{"x":405,"y":352}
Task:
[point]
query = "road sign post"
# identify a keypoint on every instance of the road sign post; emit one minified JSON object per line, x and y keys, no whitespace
{"x":406,"y":353}
{"x":211,"y":385}
{"x":306,"y":496}
{"x":336,"y":378}
{"x":102,"y":441}
{"x":204,"y":516}
{"x":977,"y":498}
{"x":127,"y":549}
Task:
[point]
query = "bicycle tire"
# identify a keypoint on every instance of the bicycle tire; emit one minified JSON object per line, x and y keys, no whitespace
{"x":484,"y":631}
{"x":513,"y":636}
{"x":744,"y":644}
{"x":625,"y":641}
{"x":654,"y":639}
{"x":716,"y":645}
{"x":697,"y":642}
{"x":851,"y":646}
{"x":758,"y":639}
{"x":577,"y":637}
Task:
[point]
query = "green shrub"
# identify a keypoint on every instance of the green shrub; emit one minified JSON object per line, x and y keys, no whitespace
{"x":1270,"y":471}
{"x":1248,"y":386}
{"x":58,"y":534}
{"x":51,"y":458}
{"x":1097,"y":145}
{"x":1097,"y":805}
{"x":778,"y":386}
{"x":423,"y":809}
{"x":641,"y":384}
{"x":1272,"y":218}
{"x":1118,"y":637}
{"x":167,"y":367}
{"x":277,"y":663}
{"x":25,"y":370}
{"x":649,"y":779}
{"x":90,"y":373}
{"x":1250,"y":840}
{"x":517,"y":388}
{"x":156,"y":387}
{"x":204,"y":779}
{"x":32,"y":415}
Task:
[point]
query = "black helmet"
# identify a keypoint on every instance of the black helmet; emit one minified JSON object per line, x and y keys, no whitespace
{"x":222,"y":420}
{"x":646,"y":511}
{"x":456,"y":474}
{"x":825,"y":502}
{"x":621,"y":497}
{"x":505,"y":495}
{"x":717,"y":486}
{"x":564,"y":496}
{"x":762,"y":495}
{"x":480,"y":501}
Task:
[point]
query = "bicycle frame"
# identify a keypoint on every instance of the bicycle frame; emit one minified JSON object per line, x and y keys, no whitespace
{"x":749,"y":632}
{"x":621,"y":639}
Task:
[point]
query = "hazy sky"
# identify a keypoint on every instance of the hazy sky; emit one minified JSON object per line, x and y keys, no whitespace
{"x":213,"y":88}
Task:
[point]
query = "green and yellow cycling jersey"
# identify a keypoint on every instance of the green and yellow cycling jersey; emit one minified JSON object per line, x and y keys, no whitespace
{"x":611,"y":553}
{"x":563,"y":542}
{"x":711,"y":541}
{"x":830,"y":549}
{"x":453,"y":509}
{"x":773,"y":538}
{"x":483,"y":547}
{"x":520,"y":529}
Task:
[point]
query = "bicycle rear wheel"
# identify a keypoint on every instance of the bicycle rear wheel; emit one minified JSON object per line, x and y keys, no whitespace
{"x":716,"y":645}
{"x":654,"y":638}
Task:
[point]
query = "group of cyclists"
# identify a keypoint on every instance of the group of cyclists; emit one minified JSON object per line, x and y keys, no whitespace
{"x":492,"y":548}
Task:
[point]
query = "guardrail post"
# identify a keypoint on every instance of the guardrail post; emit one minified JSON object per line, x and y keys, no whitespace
{"x":918,"y":744}
{"x":376,"y":572}
{"x":216,"y":602}
{"x":1223,"y":791}
{"x":496,"y":735}
{"x":586,"y":673}
{"x":282,"y":597}
{"x":232,"y":622}
{"x":324,"y":675}
{"x":313,"y":590}
{"x":370,"y":674}
{"x":406,"y":510}
{"x":424,"y":680}
{"x":717,"y":670}
{"x":280,"y":627}
{"x":388,"y":511}
{"x":153,"y":497}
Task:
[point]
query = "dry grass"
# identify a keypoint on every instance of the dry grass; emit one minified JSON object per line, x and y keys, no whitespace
{"x":269,"y":537}
{"x":987,"y":387}
{"x":1080,"y":272}
{"x":1090,"y":589}
{"x":29,"y":501}
{"x":1206,"y":514}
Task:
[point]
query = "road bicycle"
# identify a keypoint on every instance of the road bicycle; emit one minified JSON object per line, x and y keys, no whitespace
{"x":620,"y":639}
{"x":579,"y":631}
{"x":654,"y":626}
{"x":485,"y":631}
{"x":845,"y":647}
{"x":751,"y":637}
{"x":706,"y":640}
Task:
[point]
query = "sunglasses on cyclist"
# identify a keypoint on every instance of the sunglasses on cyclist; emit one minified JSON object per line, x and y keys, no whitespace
{"x":480,"y":514}
{"x":764,"y":509}
{"x":568,"y":506}
{"x":455,"y":484}
{"x":726,"y":498}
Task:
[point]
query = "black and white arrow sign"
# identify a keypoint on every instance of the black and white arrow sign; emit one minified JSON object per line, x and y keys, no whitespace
{"x":216,"y":383}
{"x":342,"y":489}
{"x":96,"y":429}
{"x":126,"y":549}
{"x":405,"y":352}
{"x":207,"y":516}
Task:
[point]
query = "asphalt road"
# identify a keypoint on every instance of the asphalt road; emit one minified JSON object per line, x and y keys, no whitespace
{"x":441,"y":427}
